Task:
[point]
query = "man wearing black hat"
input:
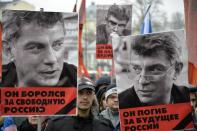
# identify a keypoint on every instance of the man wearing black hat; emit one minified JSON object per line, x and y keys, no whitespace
{"x":84,"y":121}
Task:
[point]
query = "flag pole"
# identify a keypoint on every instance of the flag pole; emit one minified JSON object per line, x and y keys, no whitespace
{"x":146,"y":24}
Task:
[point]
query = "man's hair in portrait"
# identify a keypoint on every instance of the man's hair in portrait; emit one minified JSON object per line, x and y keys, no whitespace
{"x":118,"y":12}
{"x":152,"y":44}
{"x":14,"y":20}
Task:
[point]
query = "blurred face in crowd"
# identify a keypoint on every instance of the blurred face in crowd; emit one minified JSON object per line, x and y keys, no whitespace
{"x":193,"y":100}
{"x":33,"y":120}
{"x":115,"y":25}
{"x":103,"y":101}
{"x":38,"y":54}
{"x":85,"y":99}
{"x":112,"y":101}
{"x":1,"y":120}
{"x":154,"y":77}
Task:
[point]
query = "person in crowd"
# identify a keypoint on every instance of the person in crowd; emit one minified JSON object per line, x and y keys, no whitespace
{"x":103,"y":81}
{"x":193,"y":100}
{"x":31,"y":123}
{"x":84,"y":121}
{"x":1,"y":122}
{"x":100,"y":89}
{"x":101,"y":98}
{"x":8,"y":124}
{"x":111,"y":112}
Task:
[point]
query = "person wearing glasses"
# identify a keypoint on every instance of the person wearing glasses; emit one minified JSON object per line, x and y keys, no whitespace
{"x":156,"y":64}
{"x":115,"y":21}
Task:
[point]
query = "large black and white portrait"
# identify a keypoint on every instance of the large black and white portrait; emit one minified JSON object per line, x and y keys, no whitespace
{"x":151,"y":69}
{"x":38,"y":49}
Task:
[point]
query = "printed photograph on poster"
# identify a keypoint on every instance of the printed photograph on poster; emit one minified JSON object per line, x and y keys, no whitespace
{"x":151,"y":73}
{"x":155,"y":66}
{"x":111,"y":19}
{"x":39,"y":49}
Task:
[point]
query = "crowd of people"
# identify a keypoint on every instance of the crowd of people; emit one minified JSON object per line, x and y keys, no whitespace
{"x":39,"y":61}
{"x":97,"y":109}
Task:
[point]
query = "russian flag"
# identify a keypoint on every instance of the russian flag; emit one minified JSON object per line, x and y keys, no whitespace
{"x":146,"y":25}
{"x":9,"y":125}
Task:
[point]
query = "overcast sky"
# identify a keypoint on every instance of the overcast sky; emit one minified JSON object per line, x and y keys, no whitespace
{"x":54,"y":5}
{"x":170,"y":6}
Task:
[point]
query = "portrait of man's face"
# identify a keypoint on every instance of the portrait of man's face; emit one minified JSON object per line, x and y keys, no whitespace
{"x":154,"y":77}
{"x":115,"y":25}
{"x":112,"y":19}
{"x":38,"y":54}
{"x":85,"y":99}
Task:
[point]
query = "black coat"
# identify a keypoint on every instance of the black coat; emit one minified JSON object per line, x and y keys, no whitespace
{"x":26,"y":126}
{"x":76,"y":123}
{"x":129,"y":98}
{"x":68,"y":76}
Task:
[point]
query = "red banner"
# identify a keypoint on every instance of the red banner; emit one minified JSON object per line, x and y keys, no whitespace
{"x":0,"y":62}
{"x":0,"y":51}
{"x":157,"y":118}
{"x":104,"y":51}
{"x":191,"y":31}
{"x":192,"y":74}
{"x":0,"y":104}
{"x":82,"y":17}
{"x":38,"y":101}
